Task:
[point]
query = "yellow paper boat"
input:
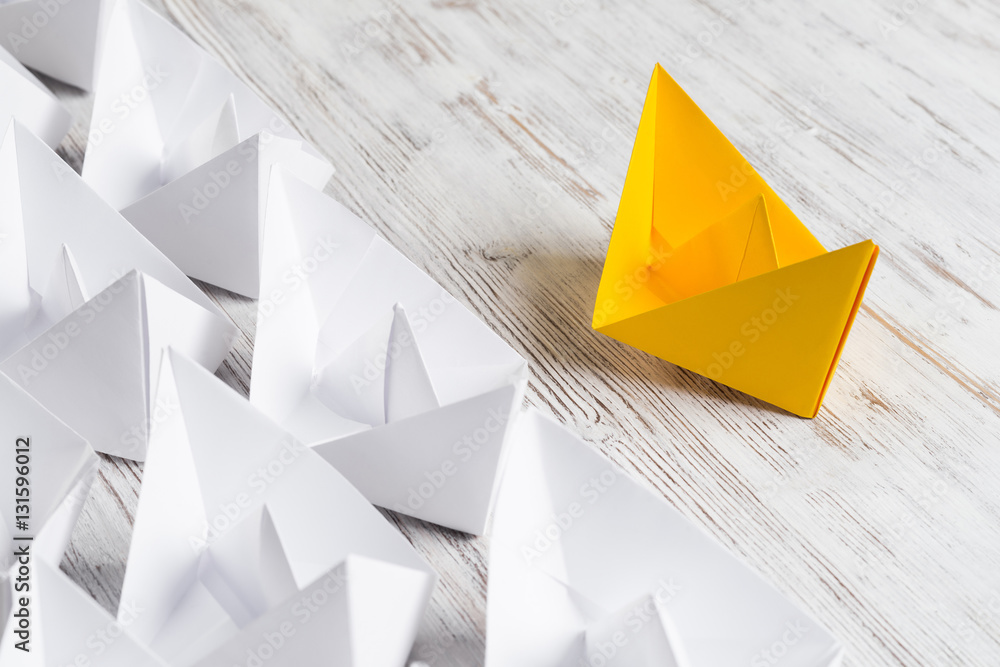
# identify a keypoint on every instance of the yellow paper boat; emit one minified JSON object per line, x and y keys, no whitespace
{"x":710,"y":270}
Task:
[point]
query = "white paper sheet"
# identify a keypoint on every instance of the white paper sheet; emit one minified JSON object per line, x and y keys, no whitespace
{"x":184,"y":149}
{"x":361,"y":354}
{"x":588,"y":568}
{"x":239,"y":526}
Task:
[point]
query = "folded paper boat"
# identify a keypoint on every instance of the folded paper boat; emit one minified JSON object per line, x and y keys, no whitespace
{"x":243,"y":533}
{"x":184,"y":149}
{"x":363,"y":356}
{"x":70,"y":628}
{"x":61,"y":469}
{"x":589,"y":568}
{"x":59,"y":38}
{"x":88,"y":304}
{"x":25,"y":98}
{"x":709,"y":269}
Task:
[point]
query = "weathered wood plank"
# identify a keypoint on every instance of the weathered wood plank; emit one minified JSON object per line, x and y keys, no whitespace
{"x":489,"y":140}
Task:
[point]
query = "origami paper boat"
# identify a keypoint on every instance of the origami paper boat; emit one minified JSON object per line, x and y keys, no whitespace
{"x":59,"y":38}
{"x":589,"y":568}
{"x":362,"y":355}
{"x":710,"y":270}
{"x":59,"y":236}
{"x":96,"y":367}
{"x":24,"y":97}
{"x":88,"y":303}
{"x":61,"y":467}
{"x":247,"y":542}
{"x":184,"y":149}
{"x":69,"y":628}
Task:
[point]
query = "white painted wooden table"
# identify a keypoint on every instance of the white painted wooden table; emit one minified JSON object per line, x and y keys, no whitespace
{"x":488,"y":140}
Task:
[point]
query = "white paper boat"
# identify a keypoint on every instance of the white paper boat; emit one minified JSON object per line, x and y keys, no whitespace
{"x":25,"y":98}
{"x":184,"y":149}
{"x":245,"y":540}
{"x":61,"y":467}
{"x":69,"y":628}
{"x":587,"y":567}
{"x":88,"y":303}
{"x":362,"y":355}
{"x":59,"y":38}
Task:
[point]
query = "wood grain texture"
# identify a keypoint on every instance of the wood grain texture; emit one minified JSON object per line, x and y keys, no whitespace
{"x":488,"y":140}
